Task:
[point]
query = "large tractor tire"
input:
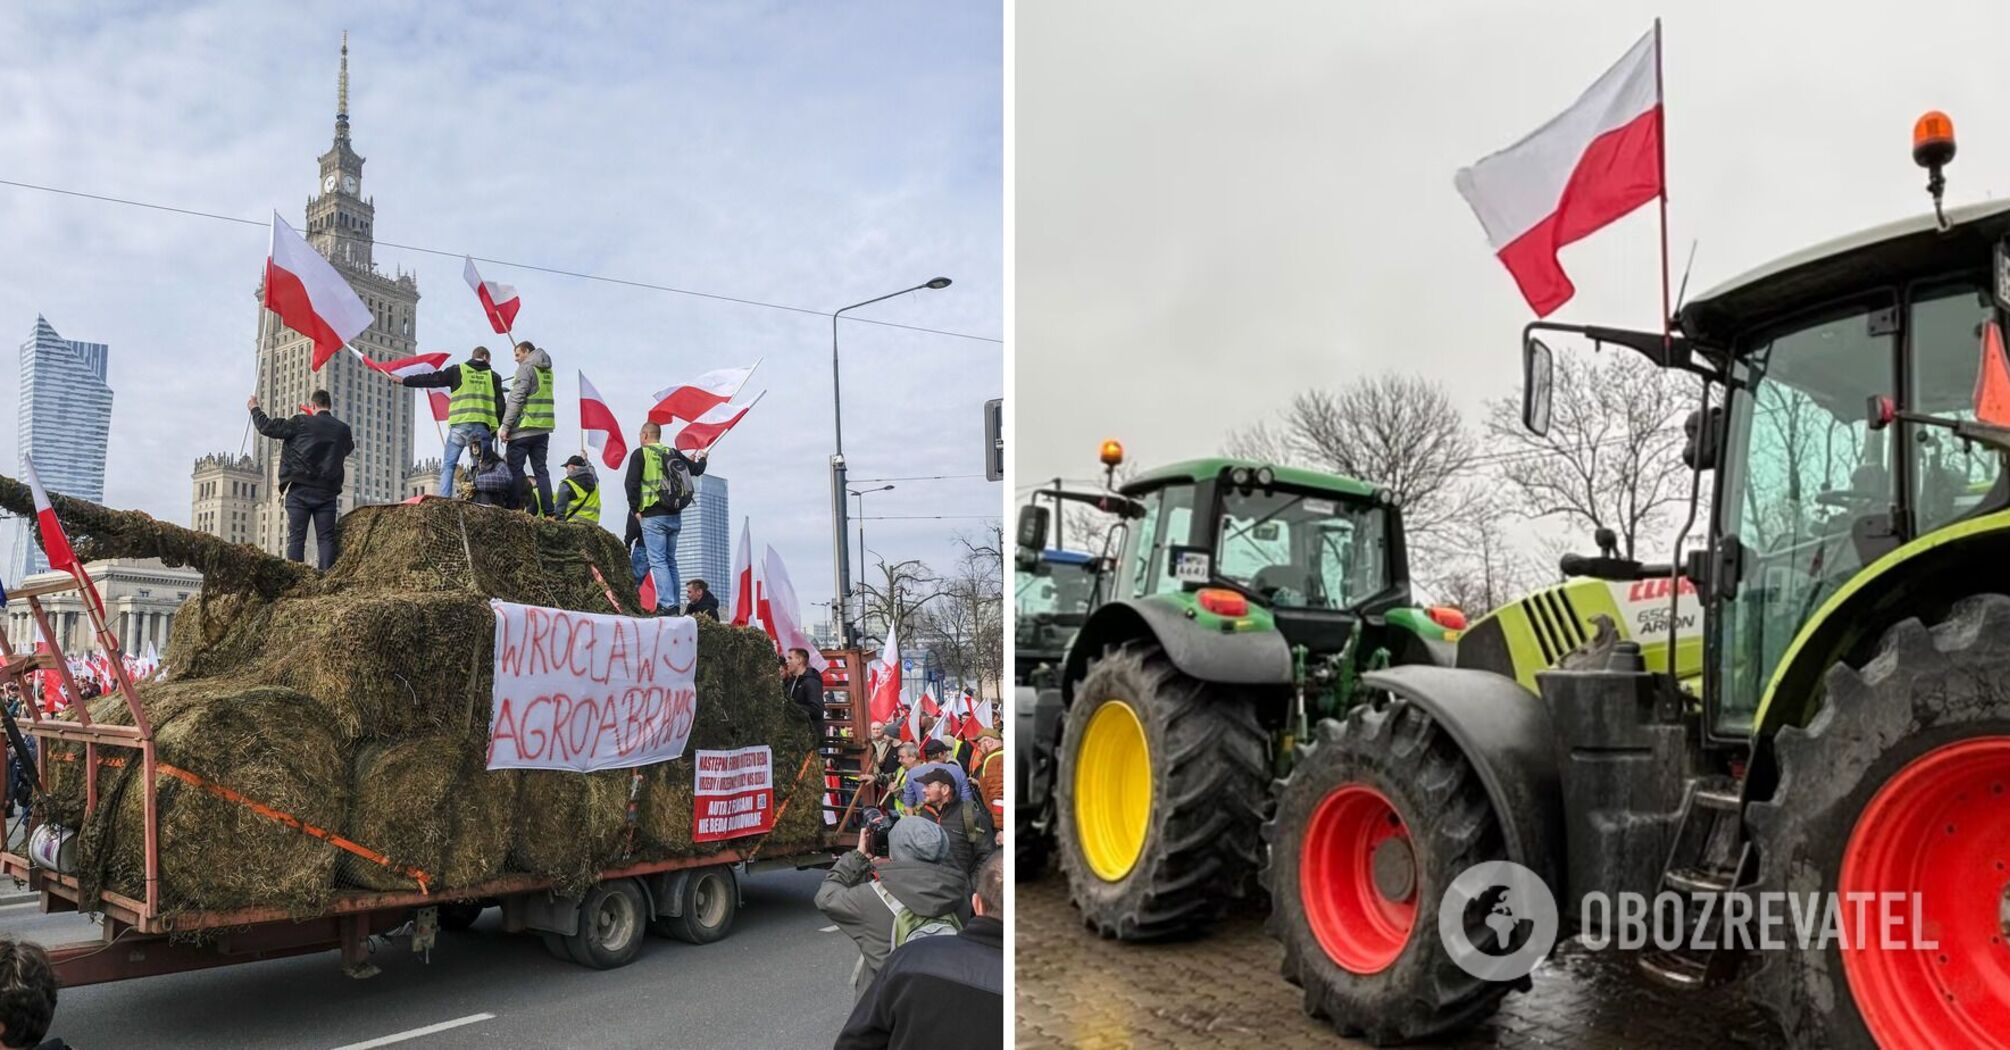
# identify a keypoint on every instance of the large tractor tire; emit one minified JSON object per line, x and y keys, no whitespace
{"x":1380,"y":814}
{"x":1159,"y":797}
{"x":1029,"y":847}
{"x":1901,"y":783}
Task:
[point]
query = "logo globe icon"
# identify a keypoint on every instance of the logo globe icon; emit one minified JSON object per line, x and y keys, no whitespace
{"x":1498,"y":920}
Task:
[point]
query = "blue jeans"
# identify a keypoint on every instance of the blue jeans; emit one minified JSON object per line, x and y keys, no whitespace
{"x":460,"y":436}
{"x":659,"y":535}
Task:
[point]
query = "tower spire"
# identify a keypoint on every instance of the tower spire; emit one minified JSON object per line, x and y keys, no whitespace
{"x":342,"y":94}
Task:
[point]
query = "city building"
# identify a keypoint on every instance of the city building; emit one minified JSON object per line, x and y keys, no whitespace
{"x":421,"y":479}
{"x":705,"y":543}
{"x":65,"y":415}
{"x":141,"y":599}
{"x":226,"y":496}
{"x":341,"y":224}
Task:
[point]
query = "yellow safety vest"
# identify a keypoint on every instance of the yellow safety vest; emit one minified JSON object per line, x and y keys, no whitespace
{"x":473,"y":399}
{"x":585,"y":505}
{"x":538,"y":411}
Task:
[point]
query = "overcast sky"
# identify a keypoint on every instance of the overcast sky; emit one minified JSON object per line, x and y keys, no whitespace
{"x":800,"y":153}
{"x":1221,"y":204}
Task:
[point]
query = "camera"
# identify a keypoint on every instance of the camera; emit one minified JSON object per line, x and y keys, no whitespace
{"x":875,"y":822}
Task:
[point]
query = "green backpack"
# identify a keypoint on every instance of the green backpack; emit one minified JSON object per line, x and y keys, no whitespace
{"x":907,"y":925}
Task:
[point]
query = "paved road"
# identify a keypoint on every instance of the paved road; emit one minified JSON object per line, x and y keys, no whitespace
{"x":1078,"y":991}
{"x":775,"y":982}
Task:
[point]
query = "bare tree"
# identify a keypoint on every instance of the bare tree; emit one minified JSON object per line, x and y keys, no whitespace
{"x":1401,"y":432}
{"x":1488,"y":570}
{"x":905,"y":587}
{"x":965,"y":629}
{"x":1613,"y":454}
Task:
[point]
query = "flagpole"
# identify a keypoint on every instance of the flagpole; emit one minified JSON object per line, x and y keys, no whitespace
{"x":715,"y":441}
{"x":1661,"y":160}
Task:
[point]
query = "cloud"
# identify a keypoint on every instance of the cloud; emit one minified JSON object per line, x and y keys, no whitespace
{"x":789,"y":153}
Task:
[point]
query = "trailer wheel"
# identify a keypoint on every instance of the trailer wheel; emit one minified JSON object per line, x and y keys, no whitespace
{"x":612,"y":918}
{"x":1380,"y":814}
{"x":711,"y":901}
{"x":1900,"y":784}
{"x":459,"y":915}
{"x":1159,"y":796}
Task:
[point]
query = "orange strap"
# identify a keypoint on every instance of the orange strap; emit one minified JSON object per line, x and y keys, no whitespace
{"x":299,"y":825}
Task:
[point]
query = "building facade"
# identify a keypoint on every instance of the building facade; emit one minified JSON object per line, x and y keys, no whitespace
{"x":705,"y":543}
{"x":226,"y":497}
{"x":65,"y":416}
{"x":341,"y":224}
{"x":421,"y":479}
{"x":141,"y":599}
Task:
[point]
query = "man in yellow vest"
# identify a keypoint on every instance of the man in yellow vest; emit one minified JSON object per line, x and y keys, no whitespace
{"x":529,"y":416}
{"x":579,"y":492}
{"x":474,"y":407}
{"x":659,"y":486}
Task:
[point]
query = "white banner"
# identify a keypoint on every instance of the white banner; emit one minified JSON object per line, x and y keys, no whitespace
{"x":734,"y":793}
{"x":583,"y":691}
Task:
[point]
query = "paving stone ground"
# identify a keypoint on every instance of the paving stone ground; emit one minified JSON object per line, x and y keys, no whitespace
{"x":1076,"y":990}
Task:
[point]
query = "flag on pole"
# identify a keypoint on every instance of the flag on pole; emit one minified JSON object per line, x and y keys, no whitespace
{"x":703,"y":432}
{"x":309,"y":296}
{"x":441,"y":404}
{"x":785,"y":615}
{"x":1587,"y":167}
{"x":910,"y":731}
{"x":699,"y":396}
{"x":743,"y":576}
{"x":55,"y":544}
{"x":499,"y":300}
{"x":417,"y":364}
{"x":647,"y":592}
{"x":886,"y":680}
{"x":597,"y":425}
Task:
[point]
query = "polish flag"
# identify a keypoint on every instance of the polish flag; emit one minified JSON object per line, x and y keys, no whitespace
{"x":911,"y":732}
{"x":1587,"y":167}
{"x":416,"y":365}
{"x":309,"y":296}
{"x":784,"y":614}
{"x":441,"y":404}
{"x":743,"y":575}
{"x":985,"y":713}
{"x":55,"y":544}
{"x":647,"y":592}
{"x":705,"y":431}
{"x":886,"y":680}
{"x":701,"y":395}
{"x":596,"y":423}
{"x":499,"y":300}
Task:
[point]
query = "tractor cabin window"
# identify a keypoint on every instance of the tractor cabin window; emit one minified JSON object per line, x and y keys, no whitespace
{"x":1167,"y":522}
{"x":1297,"y":550}
{"x":1951,"y":478}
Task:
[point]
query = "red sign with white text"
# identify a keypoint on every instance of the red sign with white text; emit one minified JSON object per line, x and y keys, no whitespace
{"x":734,"y":794}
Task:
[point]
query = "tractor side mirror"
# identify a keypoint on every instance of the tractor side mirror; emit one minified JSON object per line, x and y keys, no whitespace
{"x":1033,"y":521}
{"x":1538,"y":376}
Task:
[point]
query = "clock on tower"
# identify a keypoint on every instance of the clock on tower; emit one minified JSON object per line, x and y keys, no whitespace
{"x":328,"y":184}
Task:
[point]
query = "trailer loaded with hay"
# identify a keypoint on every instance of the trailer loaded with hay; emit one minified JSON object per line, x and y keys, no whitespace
{"x":323,"y":759}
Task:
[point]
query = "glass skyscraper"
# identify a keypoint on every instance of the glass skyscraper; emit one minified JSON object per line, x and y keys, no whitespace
{"x":705,"y":544}
{"x":66,"y":413}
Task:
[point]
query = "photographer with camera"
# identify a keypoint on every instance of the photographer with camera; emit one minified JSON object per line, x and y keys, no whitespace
{"x":916,"y":892}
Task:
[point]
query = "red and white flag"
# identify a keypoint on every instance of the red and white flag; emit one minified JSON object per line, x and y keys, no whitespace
{"x":441,"y":404}
{"x":702,"y":433}
{"x":701,"y":395}
{"x":886,"y":680}
{"x":1587,"y":167}
{"x":744,"y":611}
{"x":911,"y":731}
{"x":597,"y":425}
{"x":499,"y":300}
{"x":416,"y":365}
{"x":309,"y":296}
{"x":783,"y":613}
{"x":647,"y":592}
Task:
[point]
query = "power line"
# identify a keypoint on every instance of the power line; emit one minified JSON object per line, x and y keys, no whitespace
{"x":784,"y":307}
{"x":926,"y":477}
{"x":928,"y":517}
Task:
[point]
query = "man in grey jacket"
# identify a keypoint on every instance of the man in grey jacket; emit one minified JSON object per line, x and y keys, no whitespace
{"x":529,"y":416}
{"x":917,"y":876}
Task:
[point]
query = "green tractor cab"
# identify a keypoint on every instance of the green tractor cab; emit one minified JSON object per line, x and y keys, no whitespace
{"x":1838,"y":730}
{"x":1248,"y":601}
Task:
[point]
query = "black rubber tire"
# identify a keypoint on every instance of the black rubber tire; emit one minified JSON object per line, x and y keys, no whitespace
{"x":1210,"y":769}
{"x":1402,"y":752}
{"x":721,"y":899}
{"x":459,"y":915}
{"x":612,"y":919}
{"x":1029,"y":847}
{"x":555,"y":944}
{"x":1923,"y":690}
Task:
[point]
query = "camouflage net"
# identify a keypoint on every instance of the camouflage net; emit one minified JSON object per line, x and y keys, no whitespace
{"x":358,"y":700}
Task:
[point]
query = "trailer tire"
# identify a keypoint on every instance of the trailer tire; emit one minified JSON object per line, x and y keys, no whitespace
{"x":459,"y":915}
{"x":1901,"y":783}
{"x":554,"y":943}
{"x":1384,"y":798}
{"x":711,"y":901}
{"x":612,"y":918}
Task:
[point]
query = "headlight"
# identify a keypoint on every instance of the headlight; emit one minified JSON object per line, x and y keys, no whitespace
{"x":1239,"y":477}
{"x":1264,"y":476}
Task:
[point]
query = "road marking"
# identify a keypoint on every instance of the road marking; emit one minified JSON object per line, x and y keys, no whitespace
{"x":828,"y":929}
{"x":23,"y":904}
{"x":414,"y":1033}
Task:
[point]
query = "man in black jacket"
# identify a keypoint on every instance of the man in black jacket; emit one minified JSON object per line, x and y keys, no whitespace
{"x":649,"y":468}
{"x":700,"y":601}
{"x":310,"y":472}
{"x":805,"y":688}
{"x":472,"y":411}
{"x":966,"y":821}
{"x":941,"y":991}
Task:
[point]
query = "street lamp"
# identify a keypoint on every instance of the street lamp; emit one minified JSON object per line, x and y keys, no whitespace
{"x":860,"y":495}
{"x":838,"y":546}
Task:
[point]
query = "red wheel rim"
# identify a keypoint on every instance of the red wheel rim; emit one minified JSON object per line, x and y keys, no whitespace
{"x":1361,"y":929}
{"x":1940,"y":830}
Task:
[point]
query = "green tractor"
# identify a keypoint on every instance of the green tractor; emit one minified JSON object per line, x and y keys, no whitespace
{"x":1248,"y":602}
{"x":1842,"y":732}
{"x":1054,"y":588}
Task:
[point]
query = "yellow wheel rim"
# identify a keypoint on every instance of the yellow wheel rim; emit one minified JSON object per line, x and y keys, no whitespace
{"x":1113,"y":790}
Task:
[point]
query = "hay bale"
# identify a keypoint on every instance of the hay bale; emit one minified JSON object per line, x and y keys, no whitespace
{"x":570,"y":826}
{"x":428,"y":804}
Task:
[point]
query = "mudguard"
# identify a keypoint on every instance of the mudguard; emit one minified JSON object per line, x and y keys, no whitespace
{"x":1504,"y":730}
{"x":1230,"y":657}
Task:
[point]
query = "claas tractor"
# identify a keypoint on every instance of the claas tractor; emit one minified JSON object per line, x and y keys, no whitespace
{"x":1845,"y":730}
{"x":1248,"y":601}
